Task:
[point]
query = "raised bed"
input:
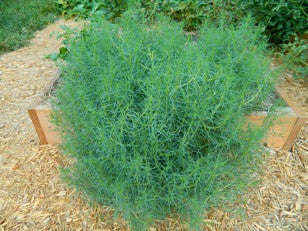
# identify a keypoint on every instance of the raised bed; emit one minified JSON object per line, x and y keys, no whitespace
{"x":281,"y":135}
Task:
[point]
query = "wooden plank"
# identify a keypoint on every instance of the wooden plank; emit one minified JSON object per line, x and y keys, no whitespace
{"x":289,"y":102}
{"x":52,"y":136}
{"x":38,"y":128}
{"x":281,"y":135}
{"x":278,"y":135}
{"x":293,"y":134}
{"x":40,"y":116}
{"x":279,"y":132}
{"x":300,"y":118}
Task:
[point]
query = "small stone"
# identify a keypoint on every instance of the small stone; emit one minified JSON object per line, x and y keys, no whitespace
{"x":298,"y":205}
{"x":45,"y":221}
{"x":62,"y":193}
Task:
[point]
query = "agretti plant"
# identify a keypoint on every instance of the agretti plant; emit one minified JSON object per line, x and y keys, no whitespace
{"x":154,"y":116}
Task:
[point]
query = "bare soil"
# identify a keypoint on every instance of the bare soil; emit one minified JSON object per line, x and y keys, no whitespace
{"x":33,"y":197}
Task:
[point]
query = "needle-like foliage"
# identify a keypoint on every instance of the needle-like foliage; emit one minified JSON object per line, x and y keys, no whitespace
{"x":154,"y":117}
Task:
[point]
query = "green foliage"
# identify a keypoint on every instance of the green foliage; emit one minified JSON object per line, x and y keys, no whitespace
{"x":285,"y":22}
{"x":19,"y":19}
{"x":154,"y":117}
{"x":85,"y":8}
{"x":295,"y":56}
{"x":191,"y":12}
{"x":66,"y":36}
{"x":283,"y":19}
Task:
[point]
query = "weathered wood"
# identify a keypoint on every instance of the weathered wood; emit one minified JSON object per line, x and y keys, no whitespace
{"x":280,"y":131}
{"x":37,"y":125}
{"x":40,"y":117}
{"x":281,"y":135}
{"x":282,"y":94}
{"x":300,"y":118}
{"x":293,"y":134}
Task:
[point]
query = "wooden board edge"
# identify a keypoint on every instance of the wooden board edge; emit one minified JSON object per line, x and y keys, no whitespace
{"x":37,"y":125}
{"x":289,"y":102}
{"x":287,"y":145}
{"x":44,"y":100}
{"x":301,"y":118}
{"x":293,"y":134}
{"x":52,"y":83}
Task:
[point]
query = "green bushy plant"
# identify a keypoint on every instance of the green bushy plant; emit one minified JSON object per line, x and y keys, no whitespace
{"x":154,"y":117}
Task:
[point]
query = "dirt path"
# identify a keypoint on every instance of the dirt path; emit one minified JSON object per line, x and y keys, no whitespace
{"x":32,"y":196}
